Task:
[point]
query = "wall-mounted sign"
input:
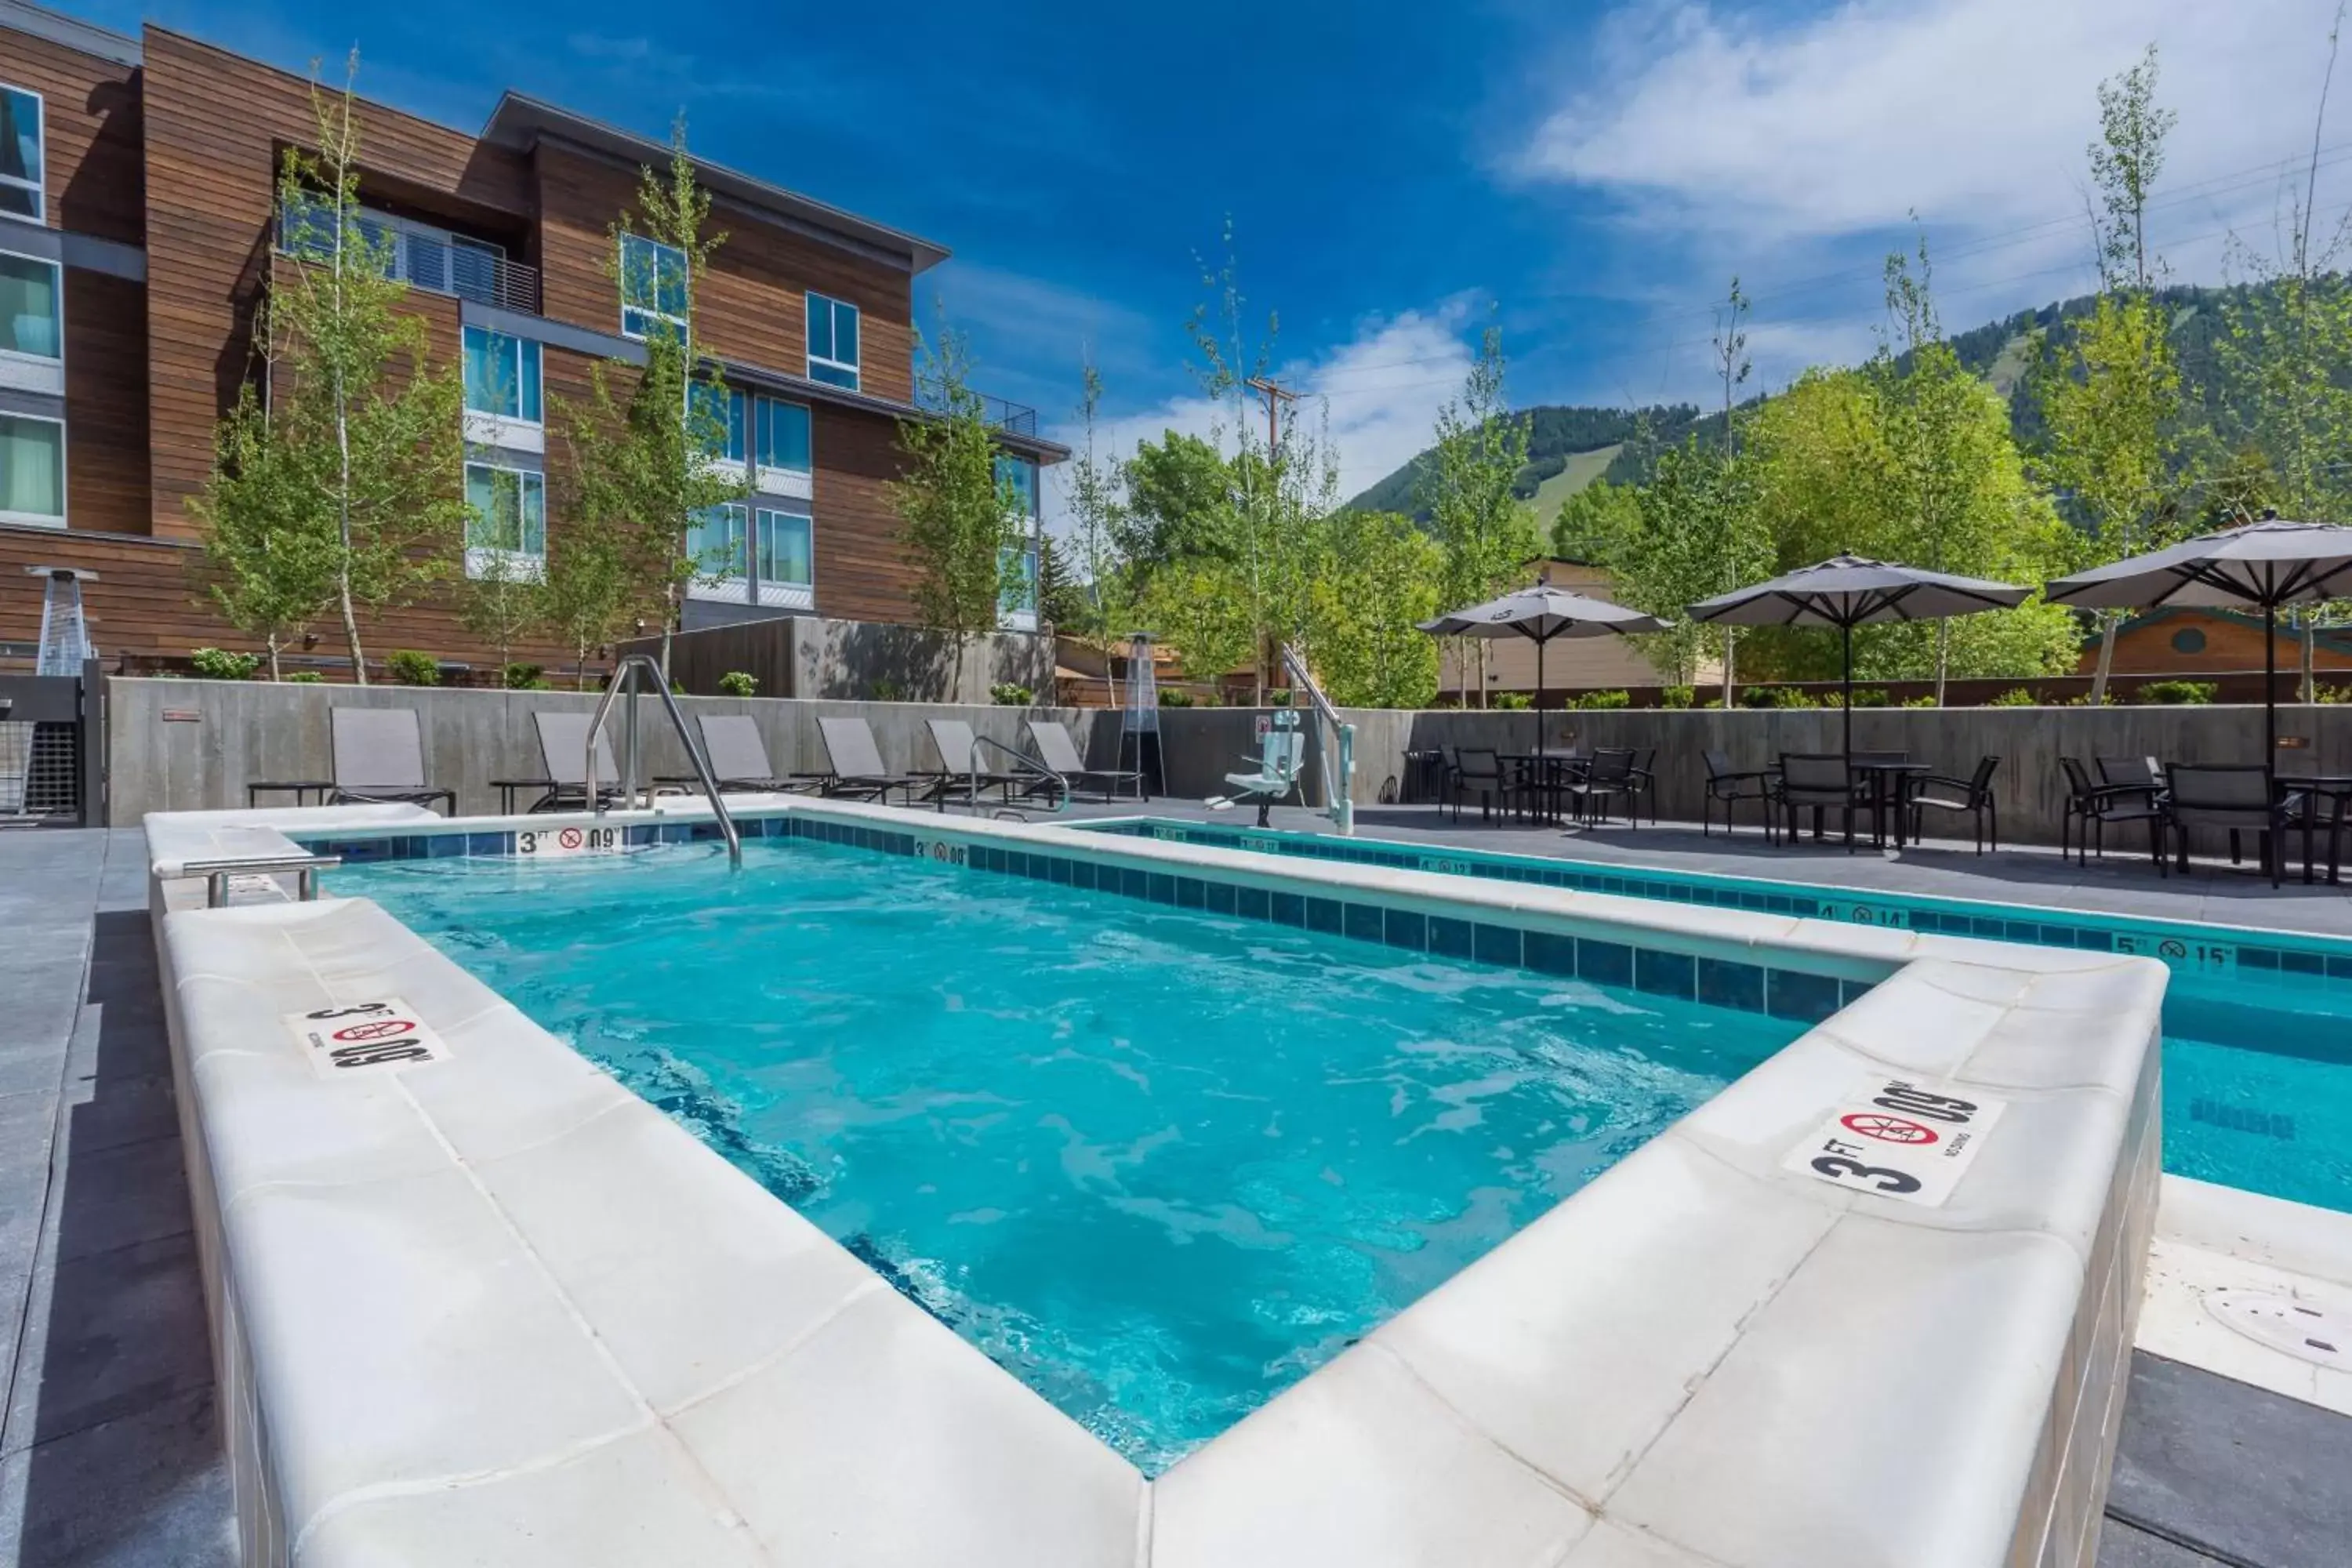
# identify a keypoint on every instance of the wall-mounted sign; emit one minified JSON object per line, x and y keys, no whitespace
{"x":2294,"y":742}
{"x":182,"y":716}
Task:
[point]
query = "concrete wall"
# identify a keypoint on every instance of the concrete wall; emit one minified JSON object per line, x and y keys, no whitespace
{"x":807,"y":656}
{"x":1202,"y":744}
{"x":190,"y":745}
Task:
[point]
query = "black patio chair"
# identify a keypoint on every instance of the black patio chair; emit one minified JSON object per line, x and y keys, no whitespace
{"x":1476,"y":770}
{"x":1972,"y":794}
{"x":1820,"y":781}
{"x":1728,"y":786}
{"x":1609,"y":776}
{"x":2236,"y":796}
{"x":1645,"y":784}
{"x":2093,"y":806}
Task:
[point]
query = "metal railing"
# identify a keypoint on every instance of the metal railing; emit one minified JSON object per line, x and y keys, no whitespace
{"x":624,"y":674}
{"x":216,"y":874}
{"x":1338,"y":792}
{"x":422,"y":257}
{"x":999,"y":413}
{"x":1031,"y":771}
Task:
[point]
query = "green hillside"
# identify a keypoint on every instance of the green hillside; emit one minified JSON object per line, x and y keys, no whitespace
{"x":1568,"y":449}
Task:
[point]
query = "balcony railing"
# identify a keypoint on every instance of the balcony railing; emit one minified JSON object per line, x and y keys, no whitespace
{"x":422,"y":257}
{"x":1013,"y":418}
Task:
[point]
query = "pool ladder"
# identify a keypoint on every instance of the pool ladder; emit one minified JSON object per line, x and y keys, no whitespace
{"x":626,"y":675}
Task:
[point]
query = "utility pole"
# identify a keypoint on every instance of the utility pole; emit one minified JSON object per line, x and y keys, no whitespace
{"x":1275,"y":395}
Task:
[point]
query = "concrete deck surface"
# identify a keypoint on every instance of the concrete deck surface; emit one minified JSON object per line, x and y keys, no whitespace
{"x":110,"y":1448}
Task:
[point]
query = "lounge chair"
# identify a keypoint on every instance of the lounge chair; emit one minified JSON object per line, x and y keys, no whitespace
{"x":739,"y":759}
{"x":1281,"y":757}
{"x":853,"y":764}
{"x":965,"y":770}
{"x":563,"y":767}
{"x":379,"y":758}
{"x":1059,"y":753}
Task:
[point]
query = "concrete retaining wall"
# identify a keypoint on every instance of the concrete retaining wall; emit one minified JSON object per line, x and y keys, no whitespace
{"x":194,"y":745}
{"x":808,"y":656}
{"x":1202,"y":744}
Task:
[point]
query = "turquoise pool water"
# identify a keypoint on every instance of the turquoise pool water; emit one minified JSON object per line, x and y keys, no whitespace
{"x":1158,"y":1163}
{"x":2257,"y":1025}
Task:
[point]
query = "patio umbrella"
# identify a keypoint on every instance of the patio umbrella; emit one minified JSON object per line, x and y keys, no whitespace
{"x":2271,"y":563}
{"x":1848,"y":591}
{"x":1541,"y":614}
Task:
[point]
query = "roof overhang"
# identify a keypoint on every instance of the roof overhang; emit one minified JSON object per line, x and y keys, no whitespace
{"x":521,"y":122}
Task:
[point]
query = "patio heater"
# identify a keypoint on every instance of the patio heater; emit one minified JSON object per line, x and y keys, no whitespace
{"x":65,"y":630}
{"x":1140,"y":718}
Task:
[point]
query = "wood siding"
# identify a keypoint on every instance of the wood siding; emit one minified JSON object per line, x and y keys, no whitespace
{"x":862,"y":573}
{"x":91,"y":118}
{"x":106,"y":403}
{"x":754,"y":305}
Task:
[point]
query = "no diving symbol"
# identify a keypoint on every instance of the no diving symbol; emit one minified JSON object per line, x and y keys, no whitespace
{"x":1889,"y":1129}
{"x":568,"y":838}
{"x":2173,"y":947}
{"x":376,"y":1030}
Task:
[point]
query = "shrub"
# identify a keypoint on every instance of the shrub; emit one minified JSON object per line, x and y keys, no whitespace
{"x":1676,"y":697}
{"x":306,"y":678}
{"x":1511,"y":702}
{"x":2015,"y":697}
{"x":738,"y":683}
{"x":1775,"y":697}
{"x":1280,"y":697}
{"x":1925,"y":699}
{"x":219,"y":664}
{"x":2332,"y":694}
{"x":406,"y":666}
{"x":523,"y":677}
{"x":1602,"y":701}
{"x":887,"y":689}
{"x":1004,"y":693}
{"x":1171,"y":699}
{"x":2193,"y":693}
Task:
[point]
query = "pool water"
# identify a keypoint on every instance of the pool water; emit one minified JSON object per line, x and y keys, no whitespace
{"x":2257,"y":1025}
{"x":1158,"y":1164}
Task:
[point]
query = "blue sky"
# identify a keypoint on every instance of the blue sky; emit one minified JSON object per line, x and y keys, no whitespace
{"x":1586,"y":174}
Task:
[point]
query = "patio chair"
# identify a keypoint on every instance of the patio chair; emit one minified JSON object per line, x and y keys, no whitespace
{"x":1728,"y":786}
{"x":739,"y":759}
{"x":379,"y":758}
{"x":965,"y":770}
{"x":1609,"y":776}
{"x":563,"y":767}
{"x":2093,"y":806}
{"x":854,"y":767}
{"x":1645,"y":784}
{"x":1972,"y":794}
{"x":1477,"y":770}
{"x":2236,"y":796}
{"x":1059,"y":753}
{"x":1822,"y":781}
{"x":1282,"y":757}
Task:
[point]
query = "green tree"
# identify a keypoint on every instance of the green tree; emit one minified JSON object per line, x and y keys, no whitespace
{"x":504,"y":601}
{"x":647,"y":463}
{"x":1179,"y":504}
{"x":1596,"y":524}
{"x":1378,"y":582}
{"x":357,"y":457}
{"x":1484,"y":531}
{"x":1201,"y":608}
{"x":958,"y":518}
{"x":1103,"y":609}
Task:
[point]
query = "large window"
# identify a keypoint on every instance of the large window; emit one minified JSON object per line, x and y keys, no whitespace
{"x":510,"y":509}
{"x":783,"y":556}
{"x":32,"y":469}
{"x":501,"y":375}
{"x":30,"y":324}
{"x":20,"y":153}
{"x":1016,"y":478}
{"x":833,"y":342}
{"x":726,"y":405}
{"x":783,"y":435}
{"x":653,"y":287}
{"x":719,"y":542}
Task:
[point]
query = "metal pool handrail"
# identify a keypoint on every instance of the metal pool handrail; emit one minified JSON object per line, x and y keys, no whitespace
{"x":1034,"y":768}
{"x":216,"y":874}
{"x":1341,"y":805}
{"x":625,"y":674}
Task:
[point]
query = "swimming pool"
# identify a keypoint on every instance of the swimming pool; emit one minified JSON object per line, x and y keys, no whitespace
{"x":1158,"y":1160}
{"x":2257,"y":1025}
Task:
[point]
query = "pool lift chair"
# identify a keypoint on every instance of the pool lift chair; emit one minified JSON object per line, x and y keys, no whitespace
{"x":1281,"y":757}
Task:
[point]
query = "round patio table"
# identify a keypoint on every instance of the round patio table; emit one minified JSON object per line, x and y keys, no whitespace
{"x":2337,"y":790}
{"x":1890,"y":785}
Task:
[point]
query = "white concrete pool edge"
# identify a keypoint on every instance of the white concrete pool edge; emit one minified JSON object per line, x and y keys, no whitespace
{"x":498,"y":1296}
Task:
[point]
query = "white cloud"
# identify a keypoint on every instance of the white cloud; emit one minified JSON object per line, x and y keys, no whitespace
{"x":1375,"y":397}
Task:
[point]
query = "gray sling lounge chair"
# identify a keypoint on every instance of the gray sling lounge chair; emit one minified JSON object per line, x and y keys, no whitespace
{"x":564,"y":763}
{"x":1059,"y":753}
{"x":739,"y":759}
{"x":379,"y":756}
{"x":853,"y":764}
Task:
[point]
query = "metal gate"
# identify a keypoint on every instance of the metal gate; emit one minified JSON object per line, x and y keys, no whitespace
{"x":52,"y":749}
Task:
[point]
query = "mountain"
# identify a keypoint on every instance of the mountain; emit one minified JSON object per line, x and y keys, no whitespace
{"x":1570,"y":447}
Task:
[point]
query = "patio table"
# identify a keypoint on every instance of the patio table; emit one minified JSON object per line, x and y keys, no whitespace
{"x":1890,"y":787}
{"x":1557,"y":770}
{"x":2337,"y":790}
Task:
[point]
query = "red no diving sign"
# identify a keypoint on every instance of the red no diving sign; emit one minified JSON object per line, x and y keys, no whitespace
{"x":357,"y":1036}
{"x":1900,"y":1139}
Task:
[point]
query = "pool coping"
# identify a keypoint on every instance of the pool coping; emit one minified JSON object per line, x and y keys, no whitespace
{"x":574,"y":1322}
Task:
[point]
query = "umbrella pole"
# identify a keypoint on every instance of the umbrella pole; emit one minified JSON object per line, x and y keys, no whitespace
{"x":1539,"y":706}
{"x":1848,"y":633}
{"x":2270,"y":684}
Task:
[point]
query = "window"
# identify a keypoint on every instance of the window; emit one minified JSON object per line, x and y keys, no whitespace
{"x":832,"y":341}
{"x":20,"y":153}
{"x":1016,"y":584}
{"x":725,"y":404}
{"x":717,"y":540}
{"x":784,"y":435}
{"x":509,"y":509}
{"x":29,"y":318}
{"x":501,"y":375}
{"x":32,"y":469}
{"x":653,"y":287}
{"x":1017,"y":477}
{"x":2189,"y":640}
{"x":783,"y":556}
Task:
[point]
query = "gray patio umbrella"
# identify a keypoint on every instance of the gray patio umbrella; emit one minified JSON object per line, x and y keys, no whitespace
{"x":1540,"y":615}
{"x":2269,"y":564}
{"x":1849,"y":591}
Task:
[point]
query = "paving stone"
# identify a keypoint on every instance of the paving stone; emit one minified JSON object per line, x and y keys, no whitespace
{"x":148,"y":1490}
{"x":109,"y":1336}
{"x":2121,"y":1546}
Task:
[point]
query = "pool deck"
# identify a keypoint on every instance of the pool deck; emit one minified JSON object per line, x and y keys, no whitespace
{"x":110,"y":1450}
